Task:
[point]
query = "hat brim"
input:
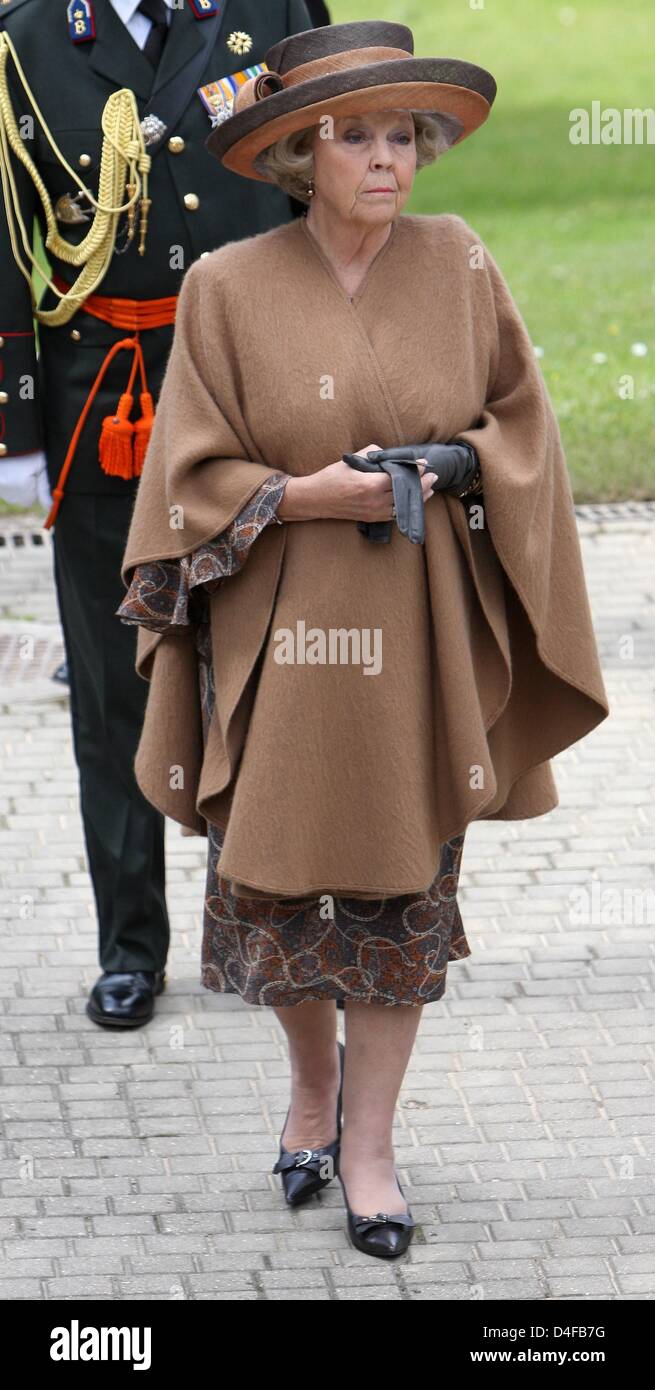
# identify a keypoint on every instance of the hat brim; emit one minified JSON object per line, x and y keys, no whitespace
{"x":442,"y":85}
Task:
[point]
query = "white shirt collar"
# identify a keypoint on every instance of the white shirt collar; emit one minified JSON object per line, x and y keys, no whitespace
{"x":126,"y":9}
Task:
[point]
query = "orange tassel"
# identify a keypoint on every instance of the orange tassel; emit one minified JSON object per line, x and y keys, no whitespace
{"x":116,"y":440}
{"x":143,"y":431}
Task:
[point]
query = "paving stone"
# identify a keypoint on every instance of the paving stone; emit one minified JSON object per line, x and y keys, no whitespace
{"x":525,"y":1127}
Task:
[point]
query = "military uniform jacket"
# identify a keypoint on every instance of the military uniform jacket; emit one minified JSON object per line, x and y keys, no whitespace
{"x":197,"y":205}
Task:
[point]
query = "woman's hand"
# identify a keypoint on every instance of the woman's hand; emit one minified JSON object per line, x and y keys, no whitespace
{"x":343,"y":493}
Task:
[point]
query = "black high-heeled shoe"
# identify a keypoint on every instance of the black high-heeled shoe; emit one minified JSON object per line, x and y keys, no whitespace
{"x":381,"y":1235}
{"x":303,"y":1170}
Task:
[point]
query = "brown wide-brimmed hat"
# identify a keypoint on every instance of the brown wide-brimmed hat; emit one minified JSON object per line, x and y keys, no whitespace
{"x":344,"y":70}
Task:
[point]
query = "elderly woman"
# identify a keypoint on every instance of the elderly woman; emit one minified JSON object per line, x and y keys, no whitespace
{"x":335,"y":696}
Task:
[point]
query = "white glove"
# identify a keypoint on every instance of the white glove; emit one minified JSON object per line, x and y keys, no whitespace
{"x":24,"y":480}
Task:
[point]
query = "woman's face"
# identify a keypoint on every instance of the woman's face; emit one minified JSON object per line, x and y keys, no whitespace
{"x":364,"y":168}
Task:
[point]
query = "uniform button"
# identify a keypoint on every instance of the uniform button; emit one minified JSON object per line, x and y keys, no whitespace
{"x":3,"y":450}
{"x":85,"y":160}
{"x":176,"y":144}
{"x":76,"y":335}
{"x":4,"y":398}
{"x":191,"y":202}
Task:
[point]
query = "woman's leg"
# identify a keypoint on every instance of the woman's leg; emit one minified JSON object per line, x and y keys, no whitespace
{"x":379,"y":1041}
{"x":311,"y":1030}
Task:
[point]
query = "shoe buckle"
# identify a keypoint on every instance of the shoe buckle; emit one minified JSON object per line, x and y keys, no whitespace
{"x":302,"y":1162}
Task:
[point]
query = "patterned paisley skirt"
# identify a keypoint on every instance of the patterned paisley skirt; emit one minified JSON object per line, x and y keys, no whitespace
{"x":285,"y":951}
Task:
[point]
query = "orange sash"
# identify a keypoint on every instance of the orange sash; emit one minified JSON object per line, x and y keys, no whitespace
{"x":123,"y":443}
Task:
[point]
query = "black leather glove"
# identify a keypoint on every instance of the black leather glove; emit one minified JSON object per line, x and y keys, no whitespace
{"x":407,"y":497}
{"x":456,"y":465}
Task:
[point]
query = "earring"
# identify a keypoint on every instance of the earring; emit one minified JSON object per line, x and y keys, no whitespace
{"x":310,"y":189}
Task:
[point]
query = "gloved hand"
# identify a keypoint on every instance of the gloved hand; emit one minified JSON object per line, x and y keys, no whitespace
{"x":455,"y":464}
{"x":407,"y":496}
{"x":24,"y":480}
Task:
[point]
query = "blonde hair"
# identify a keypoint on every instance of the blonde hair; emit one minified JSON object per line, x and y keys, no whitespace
{"x":290,"y":161}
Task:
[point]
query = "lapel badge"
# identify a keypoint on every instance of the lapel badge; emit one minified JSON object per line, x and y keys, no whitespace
{"x":218,"y":97}
{"x":238,"y":42}
{"x":152,"y":129}
{"x":81,"y":21}
{"x":205,"y":9}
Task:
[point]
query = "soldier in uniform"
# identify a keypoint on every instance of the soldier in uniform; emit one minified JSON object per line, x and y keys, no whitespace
{"x":182,"y":59}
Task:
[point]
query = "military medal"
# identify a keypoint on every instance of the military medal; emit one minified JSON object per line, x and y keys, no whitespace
{"x":152,"y":129}
{"x":204,"y":9}
{"x":217,"y":97}
{"x":81,"y":21}
{"x":239,"y":42}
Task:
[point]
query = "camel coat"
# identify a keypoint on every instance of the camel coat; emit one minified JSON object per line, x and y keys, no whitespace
{"x":328,"y":778}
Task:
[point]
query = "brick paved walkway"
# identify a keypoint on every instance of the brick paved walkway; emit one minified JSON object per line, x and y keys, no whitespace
{"x":139,"y":1165}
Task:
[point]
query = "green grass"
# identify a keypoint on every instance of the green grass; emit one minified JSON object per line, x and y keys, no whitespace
{"x":570,"y":226}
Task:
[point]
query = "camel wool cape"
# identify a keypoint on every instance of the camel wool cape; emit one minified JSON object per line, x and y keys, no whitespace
{"x":327,"y":778}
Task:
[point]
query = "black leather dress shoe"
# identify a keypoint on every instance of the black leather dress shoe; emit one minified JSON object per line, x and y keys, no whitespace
{"x":381,"y":1235}
{"x":126,"y":999}
{"x":306,"y":1171}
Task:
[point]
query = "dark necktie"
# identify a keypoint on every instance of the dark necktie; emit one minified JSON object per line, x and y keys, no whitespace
{"x":157,"y":11}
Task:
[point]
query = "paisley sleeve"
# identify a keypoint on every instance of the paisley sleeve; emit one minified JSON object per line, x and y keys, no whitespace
{"x":167,"y":594}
